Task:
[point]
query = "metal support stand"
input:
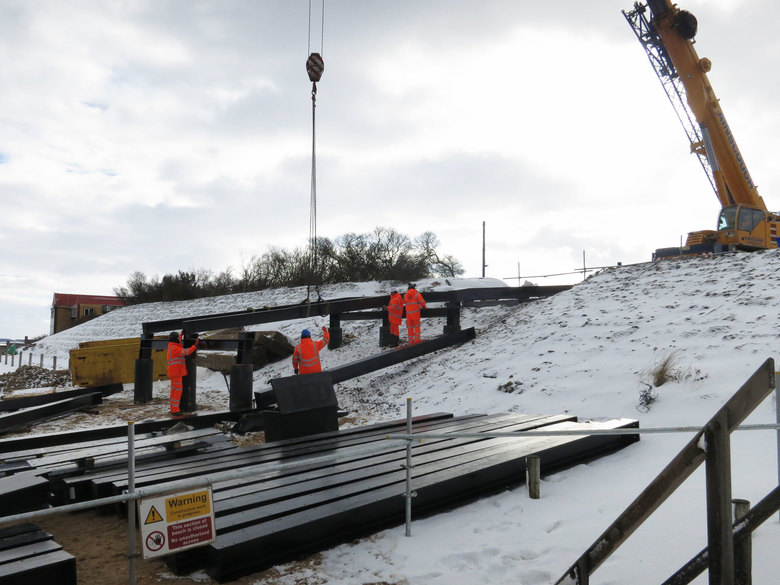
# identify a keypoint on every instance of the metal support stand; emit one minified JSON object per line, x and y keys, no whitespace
{"x":387,"y":339}
{"x":132,"y":554}
{"x":240,"y":387}
{"x":241,"y":373}
{"x":144,"y":371}
{"x":453,"y":318}
{"x":189,"y":382}
{"x":335,"y":331}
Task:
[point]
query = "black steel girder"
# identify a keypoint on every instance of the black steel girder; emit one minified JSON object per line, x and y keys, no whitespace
{"x":344,"y":305}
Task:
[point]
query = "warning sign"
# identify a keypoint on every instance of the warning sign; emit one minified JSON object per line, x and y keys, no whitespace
{"x":153,"y":516}
{"x":189,"y":533}
{"x":187,"y":521}
{"x":155,"y":541}
{"x":188,"y":506}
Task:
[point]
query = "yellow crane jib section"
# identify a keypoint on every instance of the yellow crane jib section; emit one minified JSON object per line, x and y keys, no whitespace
{"x":677,"y":29}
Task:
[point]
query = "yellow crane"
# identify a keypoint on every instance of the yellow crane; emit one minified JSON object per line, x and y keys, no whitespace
{"x":744,"y":222}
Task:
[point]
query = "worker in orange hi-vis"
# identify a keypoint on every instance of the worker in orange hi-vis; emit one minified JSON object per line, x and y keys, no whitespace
{"x":177,"y":369}
{"x":395,"y":312}
{"x":413,"y":302}
{"x":306,"y":357}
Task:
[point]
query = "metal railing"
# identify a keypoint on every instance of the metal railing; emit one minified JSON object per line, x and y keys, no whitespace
{"x":18,"y":360}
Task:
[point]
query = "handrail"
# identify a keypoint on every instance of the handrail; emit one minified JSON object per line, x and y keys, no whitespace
{"x":738,"y":407}
{"x":742,"y":528}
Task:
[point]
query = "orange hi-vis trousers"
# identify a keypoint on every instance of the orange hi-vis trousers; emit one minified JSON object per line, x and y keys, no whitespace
{"x":413,"y":331}
{"x":176,"y":391}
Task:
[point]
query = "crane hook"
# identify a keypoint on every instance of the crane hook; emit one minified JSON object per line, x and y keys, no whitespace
{"x":314,"y":67}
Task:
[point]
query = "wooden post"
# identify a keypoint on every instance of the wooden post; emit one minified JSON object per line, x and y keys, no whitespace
{"x":743,"y":548}
{"x":29,"y":359}
{"x":720,"y":540}
{"x":41,"y":360}
{"x":533,"y":476}
{"x":54,"y":363}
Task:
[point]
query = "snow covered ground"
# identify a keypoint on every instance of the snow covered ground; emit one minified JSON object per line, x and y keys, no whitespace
{"x":589,"y":352}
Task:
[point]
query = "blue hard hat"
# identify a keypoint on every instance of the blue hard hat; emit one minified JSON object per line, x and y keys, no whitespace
{"x":305,"y":333}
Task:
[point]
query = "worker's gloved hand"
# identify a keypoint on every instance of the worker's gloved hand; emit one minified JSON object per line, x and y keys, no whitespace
{"x":324,"y":329}
{"x":296,"y":372}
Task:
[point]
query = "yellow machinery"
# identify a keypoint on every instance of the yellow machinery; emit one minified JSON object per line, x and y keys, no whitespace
{"x":100,"y":363}
{"x":744,"y":222}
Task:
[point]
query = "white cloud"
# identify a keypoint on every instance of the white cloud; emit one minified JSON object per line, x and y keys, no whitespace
{"x":122,"y":124}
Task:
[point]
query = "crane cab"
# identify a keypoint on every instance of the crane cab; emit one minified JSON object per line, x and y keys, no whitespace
{"x":743,"y":227}
{"x":740,"y":227}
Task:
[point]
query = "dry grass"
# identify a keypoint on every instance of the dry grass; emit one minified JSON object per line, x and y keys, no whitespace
{"x":664,"y":371}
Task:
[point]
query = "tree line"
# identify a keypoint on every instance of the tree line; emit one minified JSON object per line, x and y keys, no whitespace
{"x":383,"y":254}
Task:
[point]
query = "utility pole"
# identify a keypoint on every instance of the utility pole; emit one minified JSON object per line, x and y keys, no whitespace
{"x":483,"y":250}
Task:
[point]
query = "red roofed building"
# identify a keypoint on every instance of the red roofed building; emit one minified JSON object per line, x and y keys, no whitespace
{"x":69,"y":310}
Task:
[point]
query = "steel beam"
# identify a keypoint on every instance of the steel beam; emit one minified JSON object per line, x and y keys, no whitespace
{"x":344,"y":305}
{"x":27,"y":416}
{"x":305,"y":523}
{"x":398,"y":355}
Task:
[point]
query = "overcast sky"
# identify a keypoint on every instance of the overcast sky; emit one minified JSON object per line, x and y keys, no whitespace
{"x":161,"y":135}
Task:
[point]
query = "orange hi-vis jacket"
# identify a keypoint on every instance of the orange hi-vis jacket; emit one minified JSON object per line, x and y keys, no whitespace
{"x":176,"y":355}
{"x":306,"y":357}
{"x":414,"y":302}
{"x":395,"y":308}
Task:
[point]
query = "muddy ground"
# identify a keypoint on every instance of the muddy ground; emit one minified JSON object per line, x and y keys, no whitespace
{"x":98,"y":540}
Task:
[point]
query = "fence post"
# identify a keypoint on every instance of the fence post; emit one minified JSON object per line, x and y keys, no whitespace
{"x":29,"y":359}
{"x":533,"y":476}
{"x":54,"y":363}
{"x":720,"y":539}
{"x":743,"y":548}
{"x":41,"y":360}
